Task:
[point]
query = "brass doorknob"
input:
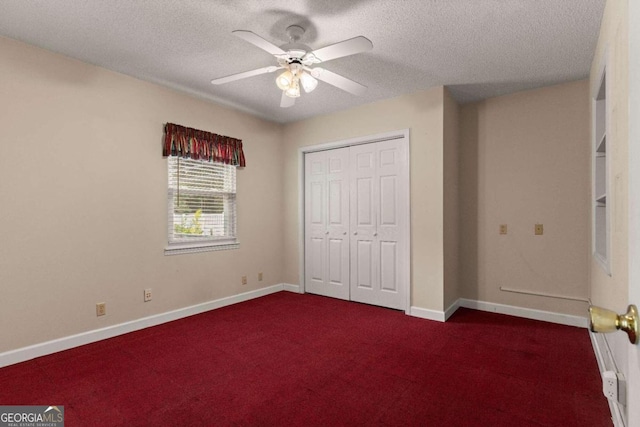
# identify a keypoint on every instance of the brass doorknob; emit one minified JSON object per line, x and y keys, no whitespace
{"x":603,"y":320}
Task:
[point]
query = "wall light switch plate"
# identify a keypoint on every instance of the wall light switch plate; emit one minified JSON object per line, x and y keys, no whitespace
{"x":101,"y":309}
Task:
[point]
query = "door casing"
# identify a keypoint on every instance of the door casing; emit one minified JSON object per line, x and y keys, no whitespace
{"x":633,"y":357}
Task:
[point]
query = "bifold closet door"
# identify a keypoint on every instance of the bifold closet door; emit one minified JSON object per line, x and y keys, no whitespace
{"x":327,"y":223}
{"x":378,"y":208}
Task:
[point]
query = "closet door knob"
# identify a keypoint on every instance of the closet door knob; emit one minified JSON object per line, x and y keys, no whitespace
{"x":355,"y":233}
{"x":344,"y":234}
{"x":326,"y":232}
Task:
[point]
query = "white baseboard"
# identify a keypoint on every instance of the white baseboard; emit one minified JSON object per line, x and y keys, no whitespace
{"x":606,"y":362}
{"x":26,"y":353}
{"x":452,"y":309}
{"x":527,"y":313}
{"x":292,"y":288}
{"x":425,"y":313}
{"x":439,"y":316}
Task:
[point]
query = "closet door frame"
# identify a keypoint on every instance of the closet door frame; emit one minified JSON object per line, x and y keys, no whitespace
{"x":405,"y":263}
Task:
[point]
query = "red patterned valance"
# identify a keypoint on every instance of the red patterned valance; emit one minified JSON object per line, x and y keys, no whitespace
{"x":200,"y":145}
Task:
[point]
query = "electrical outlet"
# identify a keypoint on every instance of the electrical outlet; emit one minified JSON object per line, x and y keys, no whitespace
{"x":259,"y":277}
{"x":503,"y":228}
{"x":539,"y":230}
{"x":244,"y":280}
{"x":101,"y":309}
{"x":147,"y":295}
{"x":614,"y":387}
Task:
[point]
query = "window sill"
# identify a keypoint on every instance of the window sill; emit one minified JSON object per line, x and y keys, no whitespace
{"x":190,"y":248}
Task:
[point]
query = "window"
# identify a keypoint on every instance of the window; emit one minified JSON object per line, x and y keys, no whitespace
{"x":202,"y":206}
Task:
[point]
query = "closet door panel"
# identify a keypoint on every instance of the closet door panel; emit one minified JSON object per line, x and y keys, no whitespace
{"x":327,"y":221}
{"x":336,"y":261}
{"x":363,"y":189}
{"x":388,"y":201}
{"x":364,"y":210}
{"x":315,"y":222}
{"x":338,"y":222}
{"x":381,"y":166}
{"x":315,"y":266}
{"x":391,"y":172}
{"x":388,"y":266}
{"x":364,"y":266}
{"x":364,"y":249}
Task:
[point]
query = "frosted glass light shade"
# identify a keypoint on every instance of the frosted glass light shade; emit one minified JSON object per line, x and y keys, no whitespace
{"x":294,"y":90}
{"x":284,"y":80}
{"x":308,"y":82}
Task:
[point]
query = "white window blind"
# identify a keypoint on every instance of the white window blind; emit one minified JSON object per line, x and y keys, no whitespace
{"x":202,"y":205}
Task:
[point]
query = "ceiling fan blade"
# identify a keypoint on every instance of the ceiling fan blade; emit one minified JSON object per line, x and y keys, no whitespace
{"x":286,"y":101}
{"x":234,"y":77}
{"x":338,"y":81}
{"x":258,"y":41}
{"x":344,"y":48}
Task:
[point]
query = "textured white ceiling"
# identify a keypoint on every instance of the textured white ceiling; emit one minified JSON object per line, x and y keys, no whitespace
{"x":478,"y":48}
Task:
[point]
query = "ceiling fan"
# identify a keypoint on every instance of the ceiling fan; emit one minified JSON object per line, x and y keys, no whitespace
{"x":297,"y":60}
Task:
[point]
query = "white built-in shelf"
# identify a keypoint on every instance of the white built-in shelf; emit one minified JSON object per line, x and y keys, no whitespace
{"x":601,"y":212}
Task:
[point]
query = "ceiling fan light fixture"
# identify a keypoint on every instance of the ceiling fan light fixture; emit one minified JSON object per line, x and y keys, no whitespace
{"x":296,"y":60}
{"x":308,"y":82}
{"x":285,"y":80}
{"x":294,"y":90}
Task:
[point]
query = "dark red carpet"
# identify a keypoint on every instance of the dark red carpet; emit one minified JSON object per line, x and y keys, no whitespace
{"x":304,"y":360}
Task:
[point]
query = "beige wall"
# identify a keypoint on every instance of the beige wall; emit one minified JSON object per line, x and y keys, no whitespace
{"x":612,"y":291}
{"x":451,"y":201}
{"x":422,"y":113}
{"x":524,"y":160}
{"x":83,"y":199}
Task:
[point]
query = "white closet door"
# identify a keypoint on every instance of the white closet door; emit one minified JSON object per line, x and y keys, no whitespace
{"x":315,"y":222}
{"x":327,"y":223}
{"x":379,"y":205}
{"x":363,"y":223}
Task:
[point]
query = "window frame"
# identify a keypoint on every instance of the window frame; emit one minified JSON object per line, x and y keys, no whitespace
{"x":198,"y":245}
